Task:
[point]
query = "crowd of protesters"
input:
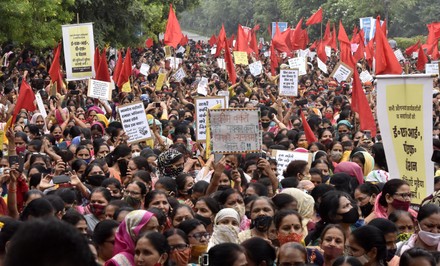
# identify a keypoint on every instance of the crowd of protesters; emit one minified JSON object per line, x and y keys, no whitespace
{"x":74,"y":192}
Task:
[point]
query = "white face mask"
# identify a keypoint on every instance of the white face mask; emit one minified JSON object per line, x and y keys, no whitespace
{"x":135,"y":154}
{"x":430,"y":239}
{"x":364,"y":259}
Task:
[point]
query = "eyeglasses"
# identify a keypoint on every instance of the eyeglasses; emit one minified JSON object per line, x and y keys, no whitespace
{"x":199,"y":236}
{"x":131,"y":193}
{"x":404,"y":195}
{"x":179,"y":247}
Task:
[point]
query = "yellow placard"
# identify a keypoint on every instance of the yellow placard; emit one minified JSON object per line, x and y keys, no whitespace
{"x":167,"y":51}
{"x":78,"y":50}
{"x":126,"y":87}
{"x":53,"y":89}
{"x":241,"y":58}
{"x":160,"y":81}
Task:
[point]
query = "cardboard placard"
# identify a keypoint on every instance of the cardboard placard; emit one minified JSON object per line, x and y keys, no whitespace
{"x":202,"y":86}
{"x":160,"y":80}
{"x":283,"y":158}
{"x":235,"y":130}
{"x":289,"y":82}
{"x":298,"y":63}
{"x":145,"y":69}
{"x":432,"y":69}
{"x":179,"y":75}
{"x":256,"y":68}
{"x":240,"y":58}
{"x":365,"y":76}
{"x":134,"y":121}
{"x":99,"y":90}
{"x":399,"y":55}
{"x":202,"y":105}
{"x":342,"y":72}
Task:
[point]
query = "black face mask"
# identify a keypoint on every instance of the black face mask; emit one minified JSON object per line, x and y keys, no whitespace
{"x":223,"y":187}
{"x":390,"y":254}
{"x":265,"y":124}
{"x":351,"y":216}
{"x":96,"y":180}
{"x":206,"y":221}
{"x":261,"y":223}
{"x":366,"y":209}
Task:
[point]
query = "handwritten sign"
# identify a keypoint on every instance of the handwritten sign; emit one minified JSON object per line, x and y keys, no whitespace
{"x":342,"y":72}
{"x":40,"y":105}
{"x":298,"y":63}
{"x":283,"y":158}
{"x":202,"y":86}
{"x":289,"y":82}
{"x":431,"y":69}
{"x":256,"y":68}
{"x":240,"y":58}
{"x":235,"y":130}
{"x":134,"y":121}
{"x":160,"y":80}
{"x":365,"y":76}
{"x":179,"y":75}
{"x":221,"y":63}
{"x":202,"y":105}
{"x":145,"y":69}
{"x":99,"y":89}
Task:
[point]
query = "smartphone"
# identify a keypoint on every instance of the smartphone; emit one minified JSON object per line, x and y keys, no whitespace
{"x":47,"y":171}
{"x":13,"y":159}
{"x":157,"y":105}
{"x":204,"y":260}
{"x":21,"y":160}
{"x":367,"y":133}
{"x":61,"y":179}
{"x":74,"y":92}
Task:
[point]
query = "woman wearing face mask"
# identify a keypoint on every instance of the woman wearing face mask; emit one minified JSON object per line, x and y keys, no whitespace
{"x":368,"y":245}
{"x":288,"y":225}
{"x":57,"y":132}
{"x":365,"y":196}
{"x":197,"y":236}
{"x":180,"y":250}
{"x":395,"y":195}
{"x":226,"y":228}
{"x":300,"y":140}
{"x":325,"y":136}
{"x":427,"y":233}
{"x":170,"y":163}
{"x":114,"y":186}
{"x":335,"y":153}
{"x":134,"y":224}
{"x":134,"y":194}
{"x":405,"y":223}
{"x":389,"y":231}
{"x":99,"y":199}
{"x":266,"y":119}
{"x":185,"y":183}
{"x":262,"y":211}
{"x":94,"y":175}
{"x":230,"y":198}
{"x":82,"y":152}
{"x":205,"y":210}
{"x":332,"y":243}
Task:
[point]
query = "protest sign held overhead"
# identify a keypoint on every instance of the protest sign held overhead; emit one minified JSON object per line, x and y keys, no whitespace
{"x":134,"y":121}
{"x":202,"y":106}
{"x":289,"y":82}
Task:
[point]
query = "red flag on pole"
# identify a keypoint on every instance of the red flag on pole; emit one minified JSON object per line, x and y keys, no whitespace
{"x":124,"y":76}
{"x":345,"y":47}
{"x":102,"y":72}
{"x":230,"y":64}
{"x":241,"y":44}
{"x":412,"y":49}
{"x":273,"y":60}
{"x":386,"y":61}
{"x":333,"y":43}
{"x":212,"y":40}
{"x":254,"y":45}
{"x":173,"y":33}
{"x":315,"y":18}
{"x":55,"y":68}
{"x":279,"y":42}
{"x":25,"y":100}
{"x":422,"y":60}
{"x":327,"y":34}
{"x":360,"y":105}
{"x":310,"y":136}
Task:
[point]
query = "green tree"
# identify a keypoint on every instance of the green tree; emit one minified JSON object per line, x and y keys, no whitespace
{"x":34,"y":23}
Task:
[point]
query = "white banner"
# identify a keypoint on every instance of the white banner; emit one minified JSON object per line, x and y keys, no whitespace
{"x":134,"y":121}
{"x":298,"y":63}
{"x":99,"y":90}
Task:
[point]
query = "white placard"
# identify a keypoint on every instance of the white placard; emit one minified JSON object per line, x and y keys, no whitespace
{"x":431,"y":69}
{"x":256,"y":68}
{"x":180,"y":50}
{"x":365,"y":76}
{"x":202,"y":105}
{"x":213,"y":50}
{"x":145,"y":69}
{"x":341,"y":72}
{"x":415,"y":55}
{"x":235,"y":130}
{"x":399,"y":55}
{"x":221,"y":63}
{"x":267,"y":53}
{"x":322,"y":65}
{"x":174,"y":62}
{"x":134,"y":121}
{"x":202,"y":86}
{"x":40,"y":105}
{"x":99,"y":89}
{"x":328,"y":51}
{"x":289,"y":82}
{"x":179,"y":75}
{"x":298,"y":63}
{"x":283,"y":158}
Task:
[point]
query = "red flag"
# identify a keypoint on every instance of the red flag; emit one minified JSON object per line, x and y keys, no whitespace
{"x":435,"y":55}
{"x":102,"y":72}
{"x":173,"y":34}
{"x":321,"y":52}
{"x":422,"y":60}
{"x":25,"y":100}
{"x":384,"y":27}
{"x":360,"y":105}
{"x":360,"y":52}
{"x":184,"y":40}
{"x":433,"y":32}
{"x":413,"y":48}
{"x":256,"y":28}
{"x":273,"y":60}
{"x":314,"y":46}
{"x":231,"y":41}
{"x":118,"y":67}
{"x":315,"y":18}
{"x":279,"y":42}
{"x":327,"y":34}
{"x":220,"y":41}
{"x":297,"y":38}
{"x":369,"y":51}
{"x":386,"y":61}
{"x":212,"y":40}
{"x":241,"y":44}
{"x":124,"y":76}
{"x":149,"y":42}
{"x":310,"y":136}
{"x":354,"y":35}
{"x":55,"y":68}
{"x":254,"y":45}
{"x":230,"y":64}
{"x":345,"y":46}
{"x":333,"y":43}
{"x":96,"y":59}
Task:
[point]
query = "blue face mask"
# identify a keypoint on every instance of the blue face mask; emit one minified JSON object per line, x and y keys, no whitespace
{"x":88,"y":160}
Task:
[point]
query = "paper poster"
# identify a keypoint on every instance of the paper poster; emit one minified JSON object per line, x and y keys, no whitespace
{"x":399,"y":55}
{"x":134,"y":121}
{"x":40,"y":105}
{"x":240,"y":58}
{"x":405,"y":105}
{"x":202,"y":86}
{"x":342,"y":72}
{"x":99,"y":90}
{"x":179,"y":75}
{"x":328,"y":51}
{"x":180,"y":50}
{"x":283,"y":158}
{"x":213,"y":50}
{"x":267,"y":54}
{"x":431,"y":69}
{"x":160,"y":81}
{"x":256,"y":68}
{"x":235,"y":130}
{"x":298,"y":63}
{"x":303,"y":53}
{"x":415,"y":55}
{"x":202,"y":105}
{"x":322,"y":65}
{"x":174,"y":62}
{"x":365,"y":76}
{"x":79,"y":50}
{"x":288,"y":85}
{"x":145,"y":69}
{"x":221,"y":63}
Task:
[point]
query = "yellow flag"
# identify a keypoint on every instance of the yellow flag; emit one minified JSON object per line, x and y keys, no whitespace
{"x":126,"y":87}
